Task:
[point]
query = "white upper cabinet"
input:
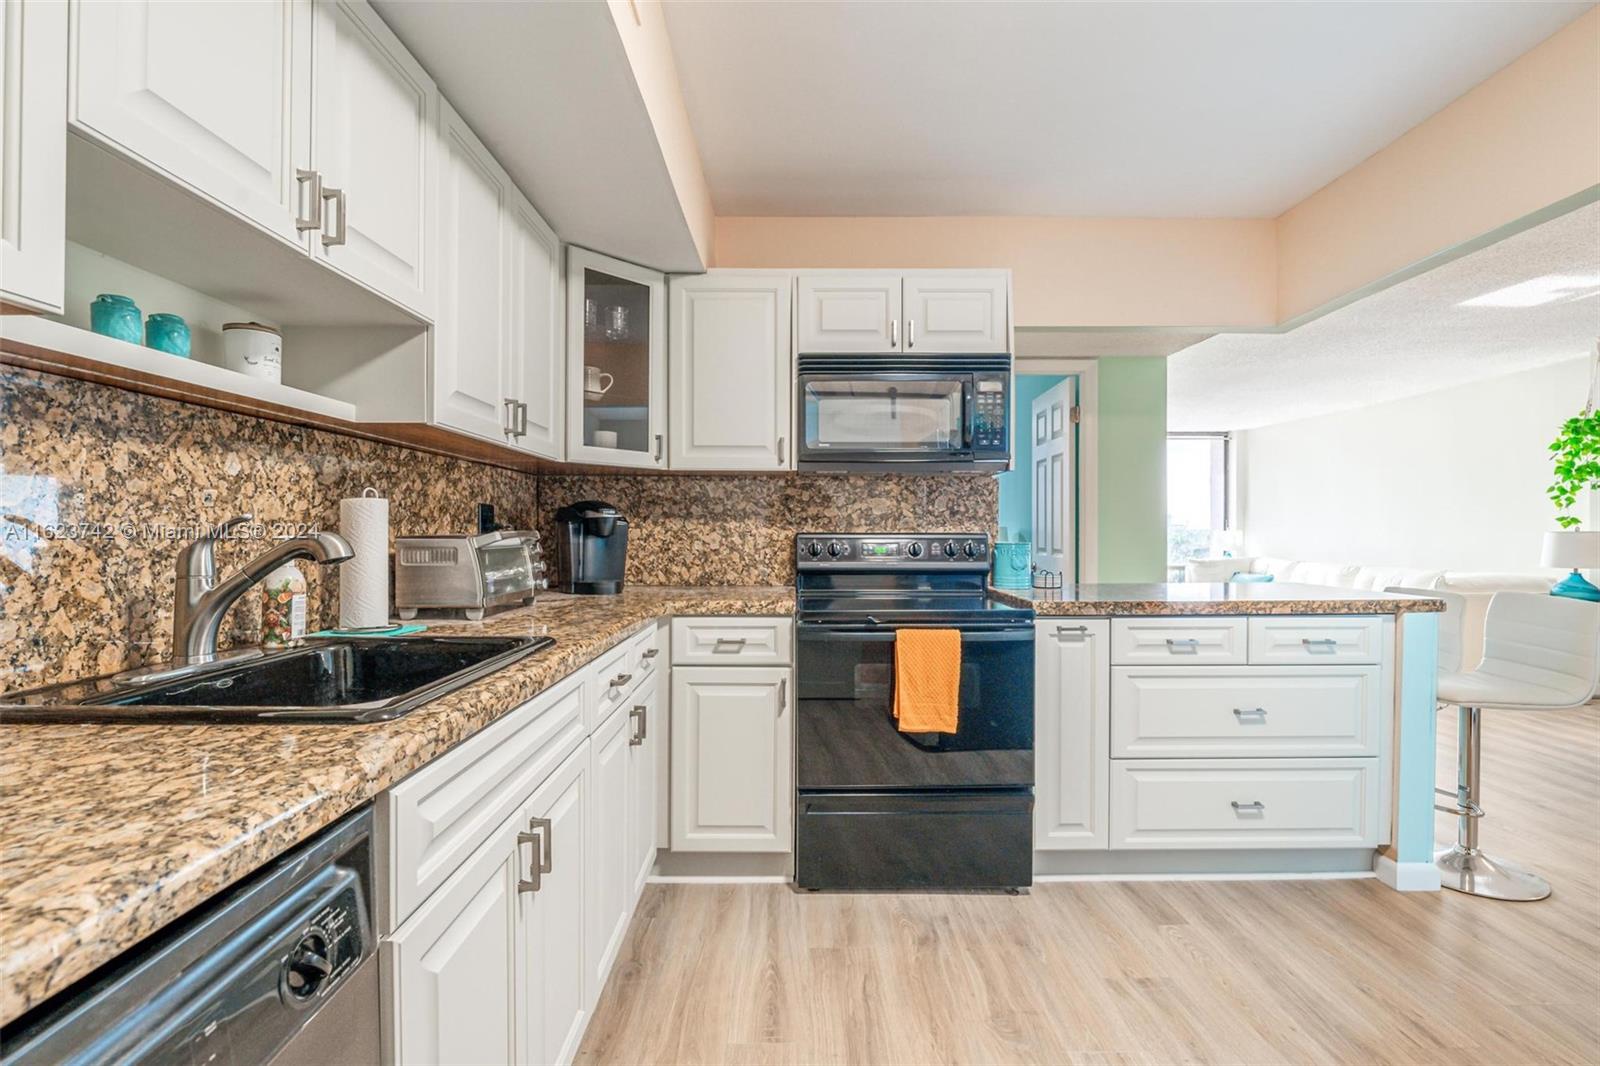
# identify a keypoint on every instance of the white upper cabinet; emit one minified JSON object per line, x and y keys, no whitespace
{"x":33,"y":229}
{"x":616,"y":362}
{"x":471,"y":390}
{"x":849,"y":313}
{"x":216,"y":94}
{"x":535,"y":358}
{"x":372,"y":146}
{"x":957,"y":312}
{"x":932,"y":311}
{"x":732,"y":371}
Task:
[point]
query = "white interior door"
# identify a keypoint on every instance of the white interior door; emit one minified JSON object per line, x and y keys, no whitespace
{"x":1051,"y":426}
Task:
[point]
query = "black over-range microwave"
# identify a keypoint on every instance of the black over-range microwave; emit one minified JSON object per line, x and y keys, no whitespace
{"x":903,"y":413}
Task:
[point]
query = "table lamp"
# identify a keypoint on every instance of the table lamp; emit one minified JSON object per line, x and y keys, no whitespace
{"x":1579,"y":550}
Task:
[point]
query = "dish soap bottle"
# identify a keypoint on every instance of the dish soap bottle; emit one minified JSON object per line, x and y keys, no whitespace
{"x":283,"y":606}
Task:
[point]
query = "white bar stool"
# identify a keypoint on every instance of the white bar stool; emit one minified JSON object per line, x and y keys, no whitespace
{"x":1540,"y":653}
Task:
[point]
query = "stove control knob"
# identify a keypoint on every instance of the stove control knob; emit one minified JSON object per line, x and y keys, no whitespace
{"x":914,"y":549}
{"x":950,"y":548}
{"x":835,"y":549}
{"x":813,"y":549}
{"x":970,"y":550}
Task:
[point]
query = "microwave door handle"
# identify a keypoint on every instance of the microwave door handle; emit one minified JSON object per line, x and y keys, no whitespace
{"x":967,"y":413}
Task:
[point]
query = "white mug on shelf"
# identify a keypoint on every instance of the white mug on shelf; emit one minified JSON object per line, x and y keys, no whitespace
{"x":605,"y":438}
{"x":254,"y":349}
{"x":596,"y":380}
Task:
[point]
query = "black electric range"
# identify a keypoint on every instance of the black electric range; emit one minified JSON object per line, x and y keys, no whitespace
{"x":878,"y":808}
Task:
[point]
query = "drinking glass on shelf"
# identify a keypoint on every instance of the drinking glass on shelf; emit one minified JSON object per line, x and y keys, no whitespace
{"x":617,"y":323}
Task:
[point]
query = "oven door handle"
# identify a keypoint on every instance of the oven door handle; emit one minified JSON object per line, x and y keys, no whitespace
{"x":857,"y":634}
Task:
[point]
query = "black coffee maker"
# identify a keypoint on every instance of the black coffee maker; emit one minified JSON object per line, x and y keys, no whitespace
{"x":592,"y":542}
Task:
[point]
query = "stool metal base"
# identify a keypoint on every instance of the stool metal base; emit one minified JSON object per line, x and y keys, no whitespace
{"x":1477,"y":874}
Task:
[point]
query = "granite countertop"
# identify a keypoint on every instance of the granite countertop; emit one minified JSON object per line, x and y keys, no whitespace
{"x":1268,"y":597}
{"x":111,"y":831}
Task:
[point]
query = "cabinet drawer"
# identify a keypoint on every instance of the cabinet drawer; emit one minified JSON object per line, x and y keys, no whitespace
{"x":1316,"y":639}
{"x":612,"y":677}
{"x":1179,"y":641}
{"x":732,"y":641}
{"x":1251,"y":711}
{"x":1281,"y":803}
{"x":433,"y":820}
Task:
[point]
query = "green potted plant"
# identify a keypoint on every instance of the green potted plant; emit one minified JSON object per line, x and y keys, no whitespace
{"x":1576,"y":455}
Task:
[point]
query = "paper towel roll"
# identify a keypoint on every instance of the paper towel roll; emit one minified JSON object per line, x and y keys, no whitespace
{"x":364,"y":577}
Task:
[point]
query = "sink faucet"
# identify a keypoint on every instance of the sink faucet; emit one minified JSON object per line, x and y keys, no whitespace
{"x":199,"y":600}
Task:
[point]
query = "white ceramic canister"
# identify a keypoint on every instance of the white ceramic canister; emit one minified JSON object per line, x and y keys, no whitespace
{"x":254,"y":349}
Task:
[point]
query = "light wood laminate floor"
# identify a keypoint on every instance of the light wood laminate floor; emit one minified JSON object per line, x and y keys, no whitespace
{"x":1099,"y":972}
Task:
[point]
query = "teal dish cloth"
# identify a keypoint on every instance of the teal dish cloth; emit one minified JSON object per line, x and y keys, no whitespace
{"x":397,"y":631}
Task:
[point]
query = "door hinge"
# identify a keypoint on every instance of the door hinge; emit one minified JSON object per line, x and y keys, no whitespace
{"x":1077,"y":414}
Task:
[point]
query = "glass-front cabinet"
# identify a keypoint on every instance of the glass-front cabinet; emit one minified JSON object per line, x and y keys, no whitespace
{"x":616,"y":362}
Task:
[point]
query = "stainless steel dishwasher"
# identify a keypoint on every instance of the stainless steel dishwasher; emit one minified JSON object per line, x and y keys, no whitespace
{"x":281,"y":968}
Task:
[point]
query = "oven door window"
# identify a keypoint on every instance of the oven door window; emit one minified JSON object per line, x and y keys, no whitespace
{"x":905,"y":414}
{"x":847,"y":735}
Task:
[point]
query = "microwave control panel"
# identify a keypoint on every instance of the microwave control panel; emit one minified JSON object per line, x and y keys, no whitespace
{"x":990,"y":414}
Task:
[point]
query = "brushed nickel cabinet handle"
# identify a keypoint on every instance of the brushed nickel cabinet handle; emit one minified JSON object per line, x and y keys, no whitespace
{"x":638,"y":715}
{"x":510,"y":412}
{"x":1253,"y":712}
{"x":1078,"y":632}
{"x":338,"y":236}
{"x":651,"y":653}
{"x":1188,"y":645}
{"x":894,"y":333}
{"x":314,"y":178}
{"x":783,"y":694}
{"x":1249,"y":807}
{"x":911,"y":333}
{"x":539,"y":836}
{"x":782,"y":459}
{"x":1326,"y":642}
{"x":620,"y":680}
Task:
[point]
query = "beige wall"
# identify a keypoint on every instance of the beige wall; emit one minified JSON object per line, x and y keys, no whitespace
{"x":643,"y":28}
{"x":1523,"y":139}
{"x":1066,"y":271}
{"x":1520,"y":141}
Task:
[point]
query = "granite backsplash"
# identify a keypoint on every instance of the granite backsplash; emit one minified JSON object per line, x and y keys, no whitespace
{"x":100,"y":487}
{"x":730,"y":530}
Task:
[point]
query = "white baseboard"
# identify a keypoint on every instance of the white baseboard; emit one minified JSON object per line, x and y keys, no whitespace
{"x":1330,"y":875}
{"x":1406,"y":876}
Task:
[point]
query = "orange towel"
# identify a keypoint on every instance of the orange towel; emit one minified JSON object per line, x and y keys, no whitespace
{"x":927,"y":680}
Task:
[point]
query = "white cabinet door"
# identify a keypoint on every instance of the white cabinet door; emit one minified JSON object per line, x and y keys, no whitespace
{"x":848,"y":313}
{"x":215,"y":93}
{"x":731,"y":371}
{"x":453,"y":967}
{"x":610,"y":866}
{"x":1072,"y":678}
{"x":375,"y":113}
{"x":33,"y":221}
{"x":535,"y":356}
{"x":616,"y":362}
{"x":470,"y":387}
{"x":555,"y":997}
{"x":732,"y":754}
{"x":957,"y":312}
{"x":645,"y":733}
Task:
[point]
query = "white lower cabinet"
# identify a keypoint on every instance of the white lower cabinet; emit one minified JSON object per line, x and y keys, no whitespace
{"x":1072,"y":723}
{"x":611,"y":895}
{"x":732,"y":759}
{"x":554,"y":1000}
{"x":1249,"y":803}
{"x":646,"y":734}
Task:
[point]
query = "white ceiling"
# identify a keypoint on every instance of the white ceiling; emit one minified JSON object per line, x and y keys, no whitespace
{"x":1411,"y":338}
{"x":1109,"y":109}
{"x":548,"y":88}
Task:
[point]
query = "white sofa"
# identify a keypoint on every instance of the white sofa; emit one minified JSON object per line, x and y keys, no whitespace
{"x":1476,"y":587}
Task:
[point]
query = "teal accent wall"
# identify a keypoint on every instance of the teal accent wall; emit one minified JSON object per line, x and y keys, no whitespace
{"x":1418,"y":710}
{"x":1133,"y":468}
{"x":1016,"y":486}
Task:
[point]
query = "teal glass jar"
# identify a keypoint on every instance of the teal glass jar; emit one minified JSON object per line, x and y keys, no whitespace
{"x":167,"y":333}
{"x":116,"y":316}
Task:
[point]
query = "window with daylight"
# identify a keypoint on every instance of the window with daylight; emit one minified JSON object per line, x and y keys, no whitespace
{"x":1198,"y":497}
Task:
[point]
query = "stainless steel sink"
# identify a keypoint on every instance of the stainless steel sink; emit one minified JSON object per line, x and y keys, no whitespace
{"x":326,"y":680}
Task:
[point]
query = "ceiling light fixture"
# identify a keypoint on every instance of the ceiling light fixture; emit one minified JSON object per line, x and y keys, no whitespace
{"x":1551,"y":288}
